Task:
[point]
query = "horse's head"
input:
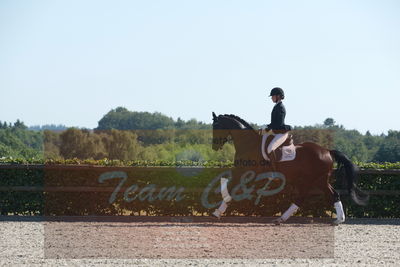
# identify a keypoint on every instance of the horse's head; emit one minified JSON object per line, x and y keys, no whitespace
{"x":226,"y":126}
{"x":220,"y":134}
{"x":222,"y":126}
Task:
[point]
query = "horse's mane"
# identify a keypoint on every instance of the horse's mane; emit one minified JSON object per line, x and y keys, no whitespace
{"x":242,"y":121}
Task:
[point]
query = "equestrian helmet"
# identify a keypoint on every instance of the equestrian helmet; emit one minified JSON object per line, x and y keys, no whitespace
{"x":277,"y":91}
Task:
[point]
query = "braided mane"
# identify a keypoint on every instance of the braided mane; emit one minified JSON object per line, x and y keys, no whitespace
{"x":242,"y":121}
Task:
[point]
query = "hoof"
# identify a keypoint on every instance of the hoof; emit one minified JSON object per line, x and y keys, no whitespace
{"x":217,"y":214}
{"x":277,"y":221}
{"x":337,"y":222}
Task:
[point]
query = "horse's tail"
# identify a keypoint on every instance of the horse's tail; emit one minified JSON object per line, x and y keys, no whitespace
{"x":350,"y":173}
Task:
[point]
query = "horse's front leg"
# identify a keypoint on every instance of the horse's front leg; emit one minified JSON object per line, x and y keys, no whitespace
{"x":225,"y":199}
{"x":286,"y":215}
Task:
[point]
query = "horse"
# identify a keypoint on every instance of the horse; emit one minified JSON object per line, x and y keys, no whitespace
{"x":311,"y":168}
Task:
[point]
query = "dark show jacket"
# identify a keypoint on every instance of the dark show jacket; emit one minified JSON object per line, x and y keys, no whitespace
{"x":278,"y":118}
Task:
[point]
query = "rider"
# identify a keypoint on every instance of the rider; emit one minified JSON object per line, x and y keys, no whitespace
{"x":277,"y":127}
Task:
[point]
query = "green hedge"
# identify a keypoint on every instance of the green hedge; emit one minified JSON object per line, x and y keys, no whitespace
{"x":121,"y":163}
{"x":29,"y":202}
{"x":31,"y":191}
{"x":383,"y":186}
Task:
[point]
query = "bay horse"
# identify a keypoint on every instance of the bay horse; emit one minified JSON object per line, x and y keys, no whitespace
{"x":309,"y":170}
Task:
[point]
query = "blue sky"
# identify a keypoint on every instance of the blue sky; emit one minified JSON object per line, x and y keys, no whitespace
{"x":70,"y":62}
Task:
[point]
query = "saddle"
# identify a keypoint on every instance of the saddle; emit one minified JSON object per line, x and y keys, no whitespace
{"x":285,"y":152}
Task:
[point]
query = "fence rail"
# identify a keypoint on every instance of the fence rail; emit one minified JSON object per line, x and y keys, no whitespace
{"x":85,"y":166}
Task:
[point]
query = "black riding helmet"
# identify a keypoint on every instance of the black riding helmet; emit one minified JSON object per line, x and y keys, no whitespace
{"x":277,"y":91}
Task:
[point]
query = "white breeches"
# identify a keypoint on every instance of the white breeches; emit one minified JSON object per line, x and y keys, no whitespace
{"x":278,"y":140}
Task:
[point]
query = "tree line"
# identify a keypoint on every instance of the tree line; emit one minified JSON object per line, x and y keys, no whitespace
{"x":126,"y":135}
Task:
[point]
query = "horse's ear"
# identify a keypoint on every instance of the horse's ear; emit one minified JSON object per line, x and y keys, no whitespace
{"x":214,"y":116}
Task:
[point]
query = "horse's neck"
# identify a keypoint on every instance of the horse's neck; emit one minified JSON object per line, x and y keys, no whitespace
{"x":243,"y":139}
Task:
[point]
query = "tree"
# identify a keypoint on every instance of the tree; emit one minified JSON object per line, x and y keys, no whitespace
{"x":323,"y":137}
{"x":329,"y":122}
{"x":21,"y":143}
{"x":179,"y":123}
{"x":121,"y":145}
{"x":51,"y":144}
{"x":372,"y":143}
{"x":19,"y":125}
{"x":81,"y":144}
{"x":389,"y":151}
{"x":123,"y":119}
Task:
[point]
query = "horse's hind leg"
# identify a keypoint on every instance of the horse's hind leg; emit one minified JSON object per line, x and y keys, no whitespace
{"x":304,"y":192}
{"x":340,"y":217}
{"x":335,"y":199}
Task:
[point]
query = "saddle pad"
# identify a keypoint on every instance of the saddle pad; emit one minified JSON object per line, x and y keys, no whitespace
{"x":288,"y":153}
